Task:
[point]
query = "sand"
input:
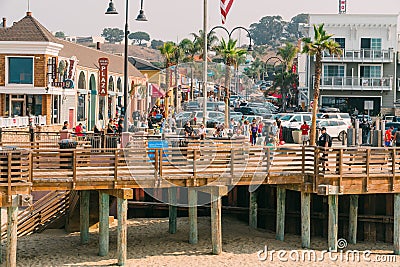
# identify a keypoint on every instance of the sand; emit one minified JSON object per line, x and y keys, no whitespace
{"x":150,"y":244}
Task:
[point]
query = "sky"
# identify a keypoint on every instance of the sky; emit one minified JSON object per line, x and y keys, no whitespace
{"x":173,"y":20}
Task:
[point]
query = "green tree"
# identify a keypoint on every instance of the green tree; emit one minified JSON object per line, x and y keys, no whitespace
{"x":168,"y":50}
{"x":231,"y":55}
{"x":156,"y":44}
{"x":60,"y":35}
{"x":113,"y":35}
{"x":293,"y":26}
{"x":268,"y":31}
{"x":314,"y":48}
{"x":139,"y":37}
{"x":199,"y":41}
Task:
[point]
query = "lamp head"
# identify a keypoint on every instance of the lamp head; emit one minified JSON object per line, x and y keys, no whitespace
{"x":250,"y":48}
{"x":111,"y":9}
{"x":141,"y":16}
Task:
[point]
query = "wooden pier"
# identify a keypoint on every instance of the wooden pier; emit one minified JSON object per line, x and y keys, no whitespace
{"x":208,"y":166}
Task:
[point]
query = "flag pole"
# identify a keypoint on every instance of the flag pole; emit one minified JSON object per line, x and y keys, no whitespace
{"x":205,"y":67}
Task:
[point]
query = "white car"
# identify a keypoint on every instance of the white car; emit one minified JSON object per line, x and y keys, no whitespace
{"x":341,"y":116}
{"x":336,"y":128}
{"x":295,"y":120}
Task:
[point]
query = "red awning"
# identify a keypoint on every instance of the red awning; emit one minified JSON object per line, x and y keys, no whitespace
{"x":156,"y":91}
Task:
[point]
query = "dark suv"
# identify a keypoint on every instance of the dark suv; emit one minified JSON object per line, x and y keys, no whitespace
{"x":246,"y":110}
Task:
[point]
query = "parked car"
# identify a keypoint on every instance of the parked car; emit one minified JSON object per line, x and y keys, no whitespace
{"x":246,"y":110}
{"x":328,"y":109}
{"x":336,"y":128}
{"x":192,"y":105}
{"x":197,"y":116}
{"x":216,"y":106}
{"x":340,"y":116}
{"x":295,"y":120}
{"x":182,"y":117}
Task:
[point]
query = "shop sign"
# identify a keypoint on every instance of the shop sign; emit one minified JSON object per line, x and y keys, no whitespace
{"x":72,"y":66}
{"x":103,"y":79}
{"x":54,"y":68}
{"x":68,"y":84}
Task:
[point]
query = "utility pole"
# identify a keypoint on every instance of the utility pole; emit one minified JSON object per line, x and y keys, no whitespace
{"x":205,"y":67}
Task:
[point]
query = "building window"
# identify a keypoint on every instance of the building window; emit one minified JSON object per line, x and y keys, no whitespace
{"x":82,"y":81}
{"x":20,"y":70}
{"x":341,"y":42}
{"x":81,"y":107}
{"x":371,"y":43}
{"x":333,"y":71}
{"x":371,"y":71}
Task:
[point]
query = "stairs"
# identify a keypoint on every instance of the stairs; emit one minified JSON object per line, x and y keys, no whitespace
{"x":50,"y":209}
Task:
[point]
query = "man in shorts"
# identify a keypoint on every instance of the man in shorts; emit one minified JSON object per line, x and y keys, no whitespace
{"x":304,"y":133}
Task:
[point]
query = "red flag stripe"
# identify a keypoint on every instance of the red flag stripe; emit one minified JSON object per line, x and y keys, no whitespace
{"x":225,"y":7}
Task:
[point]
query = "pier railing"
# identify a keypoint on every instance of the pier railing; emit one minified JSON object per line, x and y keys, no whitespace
{"x":359,"y":170}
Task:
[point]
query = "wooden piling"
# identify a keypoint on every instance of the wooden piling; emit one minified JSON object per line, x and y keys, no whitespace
{"x":193,"y":233}
{"x":253,"y":210}
{"x":216,"y":227}
{"x":84,"y":216}
{"x":12,"y":225}
{"x":172,"y":209}
{"x":104,"y":212}
{"x":333,"y":222}
{"x":280,"y":213}
{"x":353,"y":215}
{"x":305,"y":220}
{"x":122,"y":210}
{"x":396,"y":227}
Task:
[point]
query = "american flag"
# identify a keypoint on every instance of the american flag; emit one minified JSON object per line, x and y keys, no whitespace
{"x":225,"y":7}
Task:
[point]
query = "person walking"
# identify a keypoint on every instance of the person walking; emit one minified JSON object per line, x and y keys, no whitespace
{"x":254,"y":132}
{"x":396,"y":138}
{"x":304,"y":133}
{"x":324,"y":141}
{"x":389,"y":137}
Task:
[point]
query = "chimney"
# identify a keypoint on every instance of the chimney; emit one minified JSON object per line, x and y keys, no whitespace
{"x":98,"y":45}
{"x":4,"y":22}
{"x":29,"y":14}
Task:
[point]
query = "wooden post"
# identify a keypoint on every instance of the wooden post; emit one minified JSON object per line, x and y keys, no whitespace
{"x":84,"y":216}
{"x":12,"y":225}
{"x":396,"y":230}
{"x":353,"y":215}
{"x":104,"y":212}
{"x":172,"y":209}
{"x":333,"y":222}
{"x":193,"y":233}
{"x":216,"y":228}
{"x":280,"y":213}
{"x":122,"y":210}
{"x":253,"y":210}
{"x":305,"y":220}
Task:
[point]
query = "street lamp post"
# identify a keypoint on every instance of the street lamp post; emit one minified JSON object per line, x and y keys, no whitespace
{"x":282,"y":83}
{"x":141,"y":17}
{"x":227,"y":85}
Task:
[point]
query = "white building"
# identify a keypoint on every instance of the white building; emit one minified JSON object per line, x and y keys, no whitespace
{"x":366,"y":71}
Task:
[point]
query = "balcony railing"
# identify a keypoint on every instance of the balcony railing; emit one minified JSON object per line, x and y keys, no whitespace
{"x":356,"y":83}
{"x":8,"y":122}
{"x":363,"y":55}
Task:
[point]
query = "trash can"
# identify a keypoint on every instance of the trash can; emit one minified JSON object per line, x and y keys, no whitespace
{"x":66,"y":157}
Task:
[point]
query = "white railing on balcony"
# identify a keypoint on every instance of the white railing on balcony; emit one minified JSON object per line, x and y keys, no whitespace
{"x":356,"y":83}
{"x":8,"y":122}
{"x":362,"y":55}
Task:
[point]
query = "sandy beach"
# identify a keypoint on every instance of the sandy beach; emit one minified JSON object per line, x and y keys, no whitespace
{"x":150,"y":244}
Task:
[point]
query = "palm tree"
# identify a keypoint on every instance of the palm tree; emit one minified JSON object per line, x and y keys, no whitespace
{"x":168,"y":50}
{"x":199,"y":41}
{"x":230,"y":54}
{"x":288,"y":53}
{"x":322,"y":42}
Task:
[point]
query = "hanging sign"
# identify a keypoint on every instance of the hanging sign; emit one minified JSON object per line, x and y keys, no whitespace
{"x":103,"y":65}
{"x":342,"y":6}
{"x":53,"y":68}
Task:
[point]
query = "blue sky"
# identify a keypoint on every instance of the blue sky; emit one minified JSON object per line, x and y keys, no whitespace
{"x":173,"y":19}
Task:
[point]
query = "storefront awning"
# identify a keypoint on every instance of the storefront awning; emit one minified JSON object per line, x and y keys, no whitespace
{"x":156,"y":91}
